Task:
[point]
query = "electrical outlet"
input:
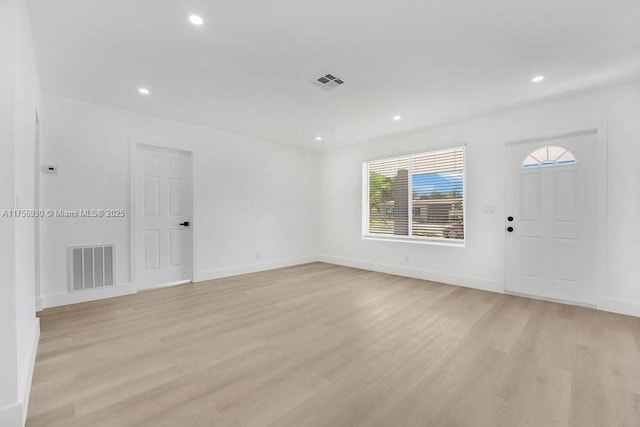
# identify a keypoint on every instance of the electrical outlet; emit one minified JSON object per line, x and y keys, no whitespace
{"x":257,"y":255}
{"x":406,"y":259}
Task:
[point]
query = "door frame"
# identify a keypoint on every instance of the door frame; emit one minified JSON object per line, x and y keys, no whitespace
{"x":601,"y":132}
{"x":134,"y":271}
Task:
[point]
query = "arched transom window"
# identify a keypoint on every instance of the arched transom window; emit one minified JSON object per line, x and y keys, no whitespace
{"x":551,"y":155}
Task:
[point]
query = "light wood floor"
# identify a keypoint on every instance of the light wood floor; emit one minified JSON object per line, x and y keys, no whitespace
{"x":322,"y":345}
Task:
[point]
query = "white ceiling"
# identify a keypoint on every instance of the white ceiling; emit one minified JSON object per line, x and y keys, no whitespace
{"x":247,"y":69}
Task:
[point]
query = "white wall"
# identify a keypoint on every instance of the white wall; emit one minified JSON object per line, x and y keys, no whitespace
{"x":481,"y":263}
{"x":254,"y":196}
{"x":27,"y":99}
{"x":18,"y":100}
{"x":250,"y":195}
{"x":8,"y":355}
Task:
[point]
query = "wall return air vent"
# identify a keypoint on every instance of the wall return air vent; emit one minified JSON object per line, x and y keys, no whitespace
{"x":327,"y":81}
{"x":91,"y":267}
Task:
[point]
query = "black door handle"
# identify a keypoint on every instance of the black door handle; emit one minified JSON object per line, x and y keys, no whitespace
{"x":510,"y":229}
{"x":185,"y":224}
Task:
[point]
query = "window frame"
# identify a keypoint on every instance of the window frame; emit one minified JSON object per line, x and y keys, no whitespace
{"x":436,"y":241}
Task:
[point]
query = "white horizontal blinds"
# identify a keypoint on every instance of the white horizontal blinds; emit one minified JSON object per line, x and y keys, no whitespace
{"x":418,"y":196}
{"x":437,"y":180}
{"x":389,"y":197}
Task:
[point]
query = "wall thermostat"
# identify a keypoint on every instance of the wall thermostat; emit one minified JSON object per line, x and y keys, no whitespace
{"x":50,"y":169}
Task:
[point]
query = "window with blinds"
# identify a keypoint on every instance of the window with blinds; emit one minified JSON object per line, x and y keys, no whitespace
{"x":416,"y":197}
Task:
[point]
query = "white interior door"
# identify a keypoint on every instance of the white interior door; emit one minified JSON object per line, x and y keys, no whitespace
{"x":551,"y":222}
{"x":163,"y":223}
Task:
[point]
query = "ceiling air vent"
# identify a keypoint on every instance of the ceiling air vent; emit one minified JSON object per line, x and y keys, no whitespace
{"x":328,"y":81}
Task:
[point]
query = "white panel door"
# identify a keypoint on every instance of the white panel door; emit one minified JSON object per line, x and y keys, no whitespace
{"x":163,"y":223}
{"x":551,"y":219}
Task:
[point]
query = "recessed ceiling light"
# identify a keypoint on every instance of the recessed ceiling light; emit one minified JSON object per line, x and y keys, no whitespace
{"x":396,"y":118}
{"x":196,"y":20}
{"x":537,"y":79}
{"x":143,"y":91}
{"x":318,"y":138}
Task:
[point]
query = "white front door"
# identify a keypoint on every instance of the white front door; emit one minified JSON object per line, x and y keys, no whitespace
{"x":163,"y":223}
{"x":551,"y":218}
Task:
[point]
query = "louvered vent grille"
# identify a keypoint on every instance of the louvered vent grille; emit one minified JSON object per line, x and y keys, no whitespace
{"x":91,"y":267}
{"x":328,"y":81}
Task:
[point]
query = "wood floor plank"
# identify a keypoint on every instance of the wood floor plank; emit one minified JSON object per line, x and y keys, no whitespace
{"x":324,"y":345}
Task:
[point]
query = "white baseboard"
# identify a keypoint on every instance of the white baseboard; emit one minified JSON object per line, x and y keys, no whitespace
{"x":165,"y":285}
{"x":11,"y":416}
{"x":434,"y":276}
{"x":614,"y":305}
{"x":631,"y":308}
{"x":48,"y":301}
{"x":27,"y":375}
{"x":253,"y":268}
{"x":16,"y":414}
